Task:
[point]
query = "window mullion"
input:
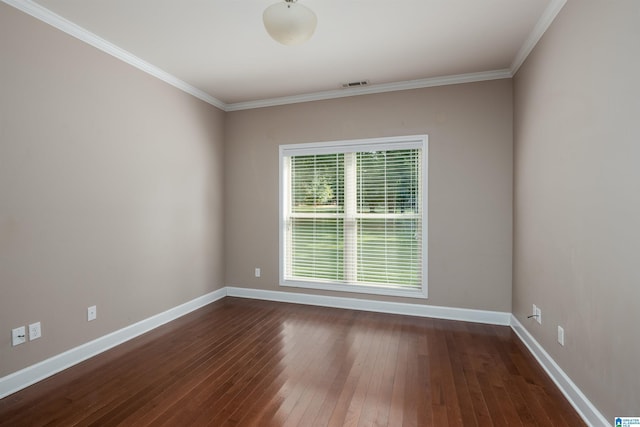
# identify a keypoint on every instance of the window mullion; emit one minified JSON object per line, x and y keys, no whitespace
{"x":288,"y":229}
{"x":350,"y":222}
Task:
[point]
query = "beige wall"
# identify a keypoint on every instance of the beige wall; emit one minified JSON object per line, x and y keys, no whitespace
{"x":470,"y":183}
{"x":110,"y":191}
{"x":577,"y":198}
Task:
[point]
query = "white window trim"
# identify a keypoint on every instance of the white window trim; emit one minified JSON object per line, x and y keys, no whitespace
{"x":386,"y":143}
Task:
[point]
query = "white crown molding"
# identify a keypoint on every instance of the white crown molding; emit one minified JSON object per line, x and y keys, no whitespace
{"x":34,"y":373}
{"x":420,"y":310}
{"x":372,"y":89}
{"x":574,"y":395}
{"x":536,"y":34}
{"x":45,"y":15}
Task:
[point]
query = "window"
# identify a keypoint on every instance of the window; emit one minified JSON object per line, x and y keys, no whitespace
{"x":353,"y":216}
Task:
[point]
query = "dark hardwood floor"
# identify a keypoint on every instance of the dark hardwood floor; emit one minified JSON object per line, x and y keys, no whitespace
{"x":255,"y":363}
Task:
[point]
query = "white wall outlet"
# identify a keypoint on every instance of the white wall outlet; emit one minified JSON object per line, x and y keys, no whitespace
{"x":18,"y":336}
{"x":258,"y":272}
{"x":35,"y":331}
{"x":92,"y":313}
{"x":560,"y":335}
{"x":536,"y":313}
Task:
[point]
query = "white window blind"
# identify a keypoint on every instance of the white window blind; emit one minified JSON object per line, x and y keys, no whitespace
{"x":353,"y":215}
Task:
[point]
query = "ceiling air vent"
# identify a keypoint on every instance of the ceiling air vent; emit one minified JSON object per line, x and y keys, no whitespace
{"x":355,"y":84}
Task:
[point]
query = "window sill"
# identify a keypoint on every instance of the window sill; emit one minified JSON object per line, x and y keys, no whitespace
{"x":360,"y":289}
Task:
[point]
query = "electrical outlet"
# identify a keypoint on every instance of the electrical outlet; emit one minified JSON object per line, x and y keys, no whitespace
{"x":92,"y":313}
{"x":35,"y":331}
{"x":258,"y":271}
{"x":18,"y":336}
{"x":536,"y":313}
{"x":560,"y":335}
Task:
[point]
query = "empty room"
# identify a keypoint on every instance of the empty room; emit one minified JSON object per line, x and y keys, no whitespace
{"x":319,"y":213}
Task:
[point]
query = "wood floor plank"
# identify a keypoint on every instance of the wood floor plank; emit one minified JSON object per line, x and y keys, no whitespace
{"x":206,"y":361}
{"x":412,"y":389}
{"x":396,"y":415}
{"x":450,"y":394}
{"x":341,"y":409}
{"x":352,"y":344}
{"x":375,"y":411}
{"x":366,"y":381}
{"x":273,"y":398}
{"x":271,"y":383}
{"x":243,"y":363}
{"x":306,"y":371}
{"x":322,"y":372}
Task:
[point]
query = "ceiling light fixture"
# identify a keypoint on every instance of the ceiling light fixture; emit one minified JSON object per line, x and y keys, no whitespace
{"x":289,"y":23}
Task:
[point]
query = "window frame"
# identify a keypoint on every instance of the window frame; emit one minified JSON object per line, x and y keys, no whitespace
{"x":348,"y":146}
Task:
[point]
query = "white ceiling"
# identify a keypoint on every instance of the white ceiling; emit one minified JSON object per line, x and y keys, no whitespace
{"x":220,"y":50}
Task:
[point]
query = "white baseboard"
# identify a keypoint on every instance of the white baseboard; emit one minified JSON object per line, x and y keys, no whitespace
{"x":421,"y":310}
{"x":578,"y":400}
{"x":34,"y":373}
